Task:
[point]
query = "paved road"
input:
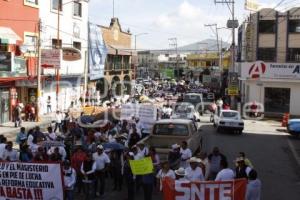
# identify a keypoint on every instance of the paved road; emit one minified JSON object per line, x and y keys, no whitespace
{"x":269,"y":152}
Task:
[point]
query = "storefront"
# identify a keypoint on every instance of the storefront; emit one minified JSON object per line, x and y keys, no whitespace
{"x":275,"y":85}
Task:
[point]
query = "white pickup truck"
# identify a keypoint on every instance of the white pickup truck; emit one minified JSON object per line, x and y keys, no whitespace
{"x":167,"y":132}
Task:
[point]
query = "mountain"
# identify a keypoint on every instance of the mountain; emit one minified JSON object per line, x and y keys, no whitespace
{"x":209,"y":44}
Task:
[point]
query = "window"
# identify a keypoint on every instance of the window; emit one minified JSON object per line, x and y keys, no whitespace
{"x":56,"y":44}
{"x":118,"y":62}
{"x":77,"y":9}
{"x":171,"y":129}
{"x":294,"y":26}
{"x":293,"y":54}
{"x":77,"y":45}
{"x":277,"y":100}
{"x":57,"y":4}
{"x":267,"y":26}
{"x":35,"y":2}
{"x":30,"y":41}
{"x":266,"y":54}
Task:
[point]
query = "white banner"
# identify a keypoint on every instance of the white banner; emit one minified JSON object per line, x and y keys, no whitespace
{"x":40,"y":181}
{"x":261,"y":69}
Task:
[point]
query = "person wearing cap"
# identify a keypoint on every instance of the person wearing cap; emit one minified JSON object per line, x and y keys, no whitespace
{"x":215,"y":162}
{"x":69,"y":180}
{"x":174,"y":156}
{"x":186,"y":154}
{"x":253,"y":187}
{"x":194,"y":172}
{"x":226,"y":174}
{"x":102,"y":161}
{"x":88,"y":169}
{"x":242,"y":170}
{"x":180,"y":174}
{"x":165,"y":171}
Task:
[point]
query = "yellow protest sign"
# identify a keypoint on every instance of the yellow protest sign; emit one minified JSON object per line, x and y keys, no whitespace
{"x":142,"y":166}
{"x":233,"y":91}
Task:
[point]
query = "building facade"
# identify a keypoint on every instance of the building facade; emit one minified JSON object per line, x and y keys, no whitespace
{"x":64,"y":26}
{"x":269,"y":60}
{"x":18,"y":40}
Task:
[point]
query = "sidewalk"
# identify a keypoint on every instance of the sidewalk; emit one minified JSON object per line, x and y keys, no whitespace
{"x":10,"y":131}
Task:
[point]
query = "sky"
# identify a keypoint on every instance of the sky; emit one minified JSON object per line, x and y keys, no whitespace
{"x":181,"y":19}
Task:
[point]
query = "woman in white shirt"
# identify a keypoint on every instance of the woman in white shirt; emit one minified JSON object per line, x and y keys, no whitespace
{"x":165,"y":171}
{"x":194,"y":172}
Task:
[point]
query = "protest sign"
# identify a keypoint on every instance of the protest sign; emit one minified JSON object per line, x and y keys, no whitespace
{"x":206,"y":190}
{"x":128,"y":111}
{"x":147,"y":114}
{"x":40,"y":181}
{"x":142,"y":166}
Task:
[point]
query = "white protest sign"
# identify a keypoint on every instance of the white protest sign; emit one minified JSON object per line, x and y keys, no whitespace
{"x":40,"y":181}
{"x":147,"y":114}
{"x":128,"y":111}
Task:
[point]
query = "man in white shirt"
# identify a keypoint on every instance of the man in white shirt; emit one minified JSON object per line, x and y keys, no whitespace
{"x":194,"y":172}
{"x":51,"y":135}
{"x":88,"y":168}
{"x":143,"y":150}
{"x":181,"y":174}
{"x":2,"y":146}
{"x":254,"y":186}
{"x":102,"y":160}
{"x":69,"y":180}
{"x":58,"y":120}
{"x":186,"y":154}
{"x":9,"y":153}
{"x":61,"y":149}
{"x":226,"y":174}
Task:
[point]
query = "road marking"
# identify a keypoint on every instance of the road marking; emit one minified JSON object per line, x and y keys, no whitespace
{"x":292,"y":147}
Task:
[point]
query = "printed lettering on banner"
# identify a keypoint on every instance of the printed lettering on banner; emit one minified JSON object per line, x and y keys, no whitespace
{"x":30,"y":181}
{"x":142,"y":166}
{"x":206,"y":190}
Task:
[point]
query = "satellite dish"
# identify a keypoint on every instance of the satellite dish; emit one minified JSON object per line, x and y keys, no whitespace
{"x":24,"y":48}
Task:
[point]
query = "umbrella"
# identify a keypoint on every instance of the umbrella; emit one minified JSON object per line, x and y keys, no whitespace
{"x":113,"y":145}
{"x":87,"y":119}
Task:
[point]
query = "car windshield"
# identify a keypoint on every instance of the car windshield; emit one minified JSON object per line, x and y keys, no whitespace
{"x":171,"y":129}
{"x":229,"y":114}
{"x":183,"y":110}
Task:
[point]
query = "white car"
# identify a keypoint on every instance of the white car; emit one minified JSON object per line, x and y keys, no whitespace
{"x":186,"y":111}
{"x":229,"y":120}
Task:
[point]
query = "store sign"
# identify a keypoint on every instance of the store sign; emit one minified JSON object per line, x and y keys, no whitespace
{"x":233,"y":91}
{"x":71,"y":54}
{"x":261,"y":69}
{"x":50,"y":58}
{"x":20,"y":65}
{"x":5,"y":61}
{"x":26,"y":83}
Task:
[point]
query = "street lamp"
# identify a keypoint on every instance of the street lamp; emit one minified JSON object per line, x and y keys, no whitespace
{"x":135,"y":36}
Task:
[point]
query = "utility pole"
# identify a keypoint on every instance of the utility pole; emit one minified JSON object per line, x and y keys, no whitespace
{"x":39,"y":73}
{"x":173,"y":43}
{"x":58,"y":47}
{"x":233,"y":27}
{"x":217,"y":34}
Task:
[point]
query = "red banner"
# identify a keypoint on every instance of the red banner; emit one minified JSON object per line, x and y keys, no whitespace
{"x":208,"y":190}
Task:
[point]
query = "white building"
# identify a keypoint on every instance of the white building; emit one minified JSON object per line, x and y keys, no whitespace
{"x":73,"y":34}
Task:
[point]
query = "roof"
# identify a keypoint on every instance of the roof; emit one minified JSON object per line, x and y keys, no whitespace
{"x":174,"y":121}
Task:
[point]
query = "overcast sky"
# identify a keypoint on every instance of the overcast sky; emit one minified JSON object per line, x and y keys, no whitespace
{"x":163,"y":19}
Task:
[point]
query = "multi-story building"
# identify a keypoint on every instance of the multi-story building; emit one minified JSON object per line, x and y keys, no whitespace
{"x":119,"y":69}
{"x":269,"y":60}
{"x":205,"y":60}
{"x":64,"y":26}
{"x":18,"y":39}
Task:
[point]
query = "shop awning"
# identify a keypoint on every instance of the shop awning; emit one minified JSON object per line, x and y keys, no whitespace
{"x":7,"y":35}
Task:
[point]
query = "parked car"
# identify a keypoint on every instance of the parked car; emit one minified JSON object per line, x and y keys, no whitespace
{"x":293,"y":127}
{"x":229,"y":120}
{"x":186,"y":111}
{"x":167,"y":132}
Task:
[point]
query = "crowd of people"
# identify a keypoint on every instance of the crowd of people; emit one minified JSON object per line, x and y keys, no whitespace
{"x":90,"y":157}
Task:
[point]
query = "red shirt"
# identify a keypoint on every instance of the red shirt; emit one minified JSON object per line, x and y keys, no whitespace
{"x":77,"y":159}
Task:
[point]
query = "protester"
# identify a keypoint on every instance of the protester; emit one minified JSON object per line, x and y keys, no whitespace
{"x":242,"y":170}
{"x":2,"y":146}
{"x":204,"y":164}
{"x":58,"y":121}
{"x":88,"y":169}
{"x":25,"y":153}
{"x":17,"y":115}
{"x":186,"y":154}
{"x":77,"y":158}
{"x":143,"y":149}
{"x":21,"y":137}
{"x":174,"y":156}
{"x":129,"y":177}
{"x":55,"y":156}
{"x":215,"y":163}
{"x":165,"y":171}
{"x":253,"y":191}
{"x":154,"y":157}
{"x":226,"y":174}
{"x":9,"y":153}
{"x":133,"y":138}
{"x":194,"y":172}
{"x":49,"y":105}
{"x":148,"y":183}
{"x":116,"y":167}
{"x":102,"y":161}
{"x":247,"y":161}
{"x":51,"y":135}
{"x":180,"y":174}
{"x":69,"y":180}
{"x":41,"y":155}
